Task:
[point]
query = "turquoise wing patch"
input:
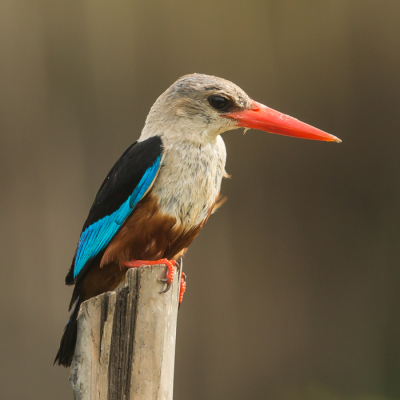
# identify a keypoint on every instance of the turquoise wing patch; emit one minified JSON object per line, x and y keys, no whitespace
{"x":98,"y":235}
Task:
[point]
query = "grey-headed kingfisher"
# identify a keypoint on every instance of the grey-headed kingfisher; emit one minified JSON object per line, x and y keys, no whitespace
{"x":160,"y":193}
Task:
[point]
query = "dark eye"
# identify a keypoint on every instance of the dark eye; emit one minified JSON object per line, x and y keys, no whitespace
{"x":219,"y":103}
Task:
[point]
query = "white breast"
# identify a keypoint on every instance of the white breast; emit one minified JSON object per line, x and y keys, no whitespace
{"x":189,"y":180}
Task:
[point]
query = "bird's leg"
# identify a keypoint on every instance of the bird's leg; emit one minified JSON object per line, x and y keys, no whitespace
{"x":170,"y":264}
{"x":170,"y":274}
{"x":182,"y":288}
{"x":182,"y":285}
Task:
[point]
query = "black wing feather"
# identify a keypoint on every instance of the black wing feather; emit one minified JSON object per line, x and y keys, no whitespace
{"x":119,"y":184}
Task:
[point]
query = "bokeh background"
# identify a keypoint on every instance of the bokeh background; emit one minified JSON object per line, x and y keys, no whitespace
{"x":293,"y":286}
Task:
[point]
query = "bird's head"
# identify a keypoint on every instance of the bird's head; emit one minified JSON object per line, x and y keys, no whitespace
{"x":200,"y":107}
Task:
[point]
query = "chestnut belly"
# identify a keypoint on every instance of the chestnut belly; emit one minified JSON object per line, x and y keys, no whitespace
{"x":149,"y":235}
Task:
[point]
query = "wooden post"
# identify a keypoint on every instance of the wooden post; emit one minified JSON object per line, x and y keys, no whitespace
{"x":126,"y":340}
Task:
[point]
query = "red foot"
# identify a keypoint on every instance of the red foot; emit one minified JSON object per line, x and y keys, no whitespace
{"x":170,"y":264}
{"x":182,"y":288}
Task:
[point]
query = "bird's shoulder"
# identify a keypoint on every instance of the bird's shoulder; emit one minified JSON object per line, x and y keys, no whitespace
{"x":124,"y":177}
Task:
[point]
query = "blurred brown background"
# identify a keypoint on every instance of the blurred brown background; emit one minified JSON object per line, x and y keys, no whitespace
{"x":293,"y":284}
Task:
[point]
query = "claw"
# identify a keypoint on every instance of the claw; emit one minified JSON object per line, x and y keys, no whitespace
{"x":170,"y":274}
{"x":167,"y":288}
{"x":179,"y":263}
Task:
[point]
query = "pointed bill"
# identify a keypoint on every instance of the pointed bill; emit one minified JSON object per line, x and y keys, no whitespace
{"x":269,"y":120}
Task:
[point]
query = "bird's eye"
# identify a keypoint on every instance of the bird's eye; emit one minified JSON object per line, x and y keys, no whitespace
{"x":219,"y":103}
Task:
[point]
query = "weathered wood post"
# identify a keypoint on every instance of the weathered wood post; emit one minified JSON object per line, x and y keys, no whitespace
{"x":126,"y":340}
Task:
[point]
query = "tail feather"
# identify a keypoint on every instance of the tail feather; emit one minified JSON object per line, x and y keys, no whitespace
{"x":91,"y":282}
{"x":68,"y":341}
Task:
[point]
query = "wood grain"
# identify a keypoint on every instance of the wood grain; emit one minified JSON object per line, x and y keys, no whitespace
{"x":126,"y":340}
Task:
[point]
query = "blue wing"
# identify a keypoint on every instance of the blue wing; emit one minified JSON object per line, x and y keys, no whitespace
{"x":126,"y":184}
{"x":96,"y":237}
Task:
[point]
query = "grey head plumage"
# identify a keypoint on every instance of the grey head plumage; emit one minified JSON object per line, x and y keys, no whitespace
{"x":186,"y":108}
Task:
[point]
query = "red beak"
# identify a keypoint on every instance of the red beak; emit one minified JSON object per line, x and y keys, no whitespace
{"x":266,"y":119}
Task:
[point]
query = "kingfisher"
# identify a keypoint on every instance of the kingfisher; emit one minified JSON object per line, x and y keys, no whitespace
{"x":162,"y":190}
